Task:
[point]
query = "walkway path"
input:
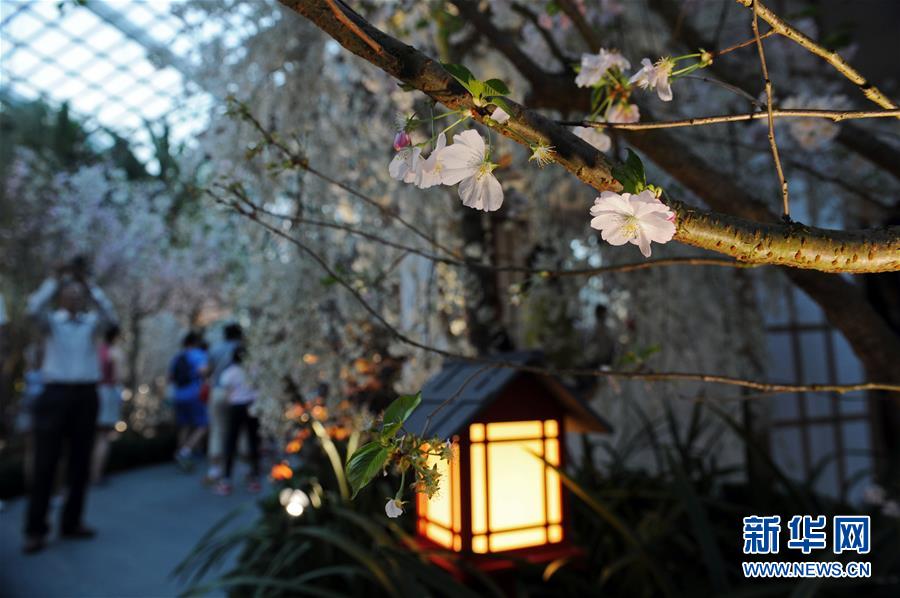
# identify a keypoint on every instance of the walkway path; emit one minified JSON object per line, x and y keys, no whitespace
{"x":147,"y":521}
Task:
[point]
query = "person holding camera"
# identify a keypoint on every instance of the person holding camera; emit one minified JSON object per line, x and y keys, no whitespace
{"x":72,"y":313}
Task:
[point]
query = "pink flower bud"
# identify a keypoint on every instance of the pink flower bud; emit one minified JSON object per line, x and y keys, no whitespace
{"x":401,"y":140}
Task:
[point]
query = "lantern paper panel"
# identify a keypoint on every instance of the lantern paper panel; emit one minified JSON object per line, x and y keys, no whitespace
{"x":516,"y":497}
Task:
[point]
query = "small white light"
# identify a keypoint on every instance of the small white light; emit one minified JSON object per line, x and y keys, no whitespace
{"x":121,"y":426}
{"x":294,"y":508}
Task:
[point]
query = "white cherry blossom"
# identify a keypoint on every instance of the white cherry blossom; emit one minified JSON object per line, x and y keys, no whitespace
{"x":622,"y":112}
{"x":629,"y":218}
{"x":594,"y":136}
{"x":428,"y":170}
{"x":595,"y":66}
{"x":403,"y":165}
{"x":655,"y":76}
{"x":393,"y":508}
{"x":466,"y":162}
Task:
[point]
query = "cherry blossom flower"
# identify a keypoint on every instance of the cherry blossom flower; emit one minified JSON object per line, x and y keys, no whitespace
{"x":594,"y":136}
{"x":542,"y":154}
{"x":466,"y":162}
{"x":500,"y":115}
{"x":655,"y":76}
{"x":393,"y":508}
{"x":428,"y":170}
{"x":622,"y":112}
{"x":629,"y":218}
{"x":594,"y":66}
{"x":401,"y":140}
{"x":403,"y":165}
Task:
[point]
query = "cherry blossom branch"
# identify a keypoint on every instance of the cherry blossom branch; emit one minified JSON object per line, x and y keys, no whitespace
{"x":301,"y":162}
{"x":771,"y":119}
{"x":851,"y":136}
{"x":542,"y":272}
{"x":833,"y":115}
{"x":578,"y":372}
{"x":833,"y":58}
{"x":786,"y":244}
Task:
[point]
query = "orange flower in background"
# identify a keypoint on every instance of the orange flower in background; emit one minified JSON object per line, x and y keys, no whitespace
{"x":319,"y":412}
{"x":282,"y":471}
{"x":294,"y":411}
{"x":338,"y":432}
{"x":294,"y":446}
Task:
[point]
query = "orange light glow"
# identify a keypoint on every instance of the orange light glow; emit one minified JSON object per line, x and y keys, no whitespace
{"x":439,"y":516}
{"x":516,"y":498}
{"x":281,"y":471}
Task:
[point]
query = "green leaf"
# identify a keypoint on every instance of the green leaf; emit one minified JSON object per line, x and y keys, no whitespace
{"x":364,"y":465}
{"x":398,"y":412}
{"x":496,"y":87}
{"x":631,"y":174}
{"x":461,"y":74}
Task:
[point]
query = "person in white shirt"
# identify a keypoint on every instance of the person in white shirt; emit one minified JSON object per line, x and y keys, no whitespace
{"x":67,"y":408}
{"x":241,"y":395}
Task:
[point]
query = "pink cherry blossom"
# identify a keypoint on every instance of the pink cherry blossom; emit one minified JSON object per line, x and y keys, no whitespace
{"x":628,"y":218}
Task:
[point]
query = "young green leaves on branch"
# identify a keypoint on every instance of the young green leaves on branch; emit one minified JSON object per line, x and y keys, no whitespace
{"x":404,"y":453}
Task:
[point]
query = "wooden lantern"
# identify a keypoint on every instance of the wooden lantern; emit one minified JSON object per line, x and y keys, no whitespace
{"x":499,"y":494}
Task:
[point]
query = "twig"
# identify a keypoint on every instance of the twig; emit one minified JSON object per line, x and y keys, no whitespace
{"x":833,"y":115}
{"x":303,"y":163}
{"x":579,"y":372}
{"x":833,"y":58}
{"x":542,"y":272}
{"x":732,"y":88}
{"x":749,"y":42}
{"x":771,"y":117}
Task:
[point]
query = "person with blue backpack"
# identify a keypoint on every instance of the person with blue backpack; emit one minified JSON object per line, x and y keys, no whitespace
{"x":187,"y":375}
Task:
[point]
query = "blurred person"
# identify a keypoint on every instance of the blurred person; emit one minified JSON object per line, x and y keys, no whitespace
{"x":241,"y":395}
{"x":66,"y":410}
{"x":186,"y":374}
{"x":112,"y":361}
{"x":220,"y":357}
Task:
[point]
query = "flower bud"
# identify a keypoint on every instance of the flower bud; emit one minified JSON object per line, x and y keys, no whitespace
{"x":401,"y":140}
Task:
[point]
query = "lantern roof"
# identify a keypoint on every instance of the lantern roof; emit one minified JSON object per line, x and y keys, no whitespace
{"x":478,"y":384}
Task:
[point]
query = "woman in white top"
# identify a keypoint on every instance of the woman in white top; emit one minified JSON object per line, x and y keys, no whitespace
{"x":241,"y":395}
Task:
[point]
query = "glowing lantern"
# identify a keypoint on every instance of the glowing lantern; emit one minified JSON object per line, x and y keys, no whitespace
{"x":501,"y":492}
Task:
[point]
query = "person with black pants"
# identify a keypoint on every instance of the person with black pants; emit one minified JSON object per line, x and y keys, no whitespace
{"x":241,"y":395}
{"x":66,"y":411}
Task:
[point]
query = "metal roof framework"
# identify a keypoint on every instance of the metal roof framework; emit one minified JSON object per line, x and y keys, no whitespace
{"x":119,"y":64}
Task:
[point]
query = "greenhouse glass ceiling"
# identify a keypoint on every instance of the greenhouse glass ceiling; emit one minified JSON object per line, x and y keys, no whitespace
{"x":118,"y":63}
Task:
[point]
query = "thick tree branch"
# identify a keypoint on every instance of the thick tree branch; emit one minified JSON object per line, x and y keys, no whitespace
{"x":789,"y":245}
